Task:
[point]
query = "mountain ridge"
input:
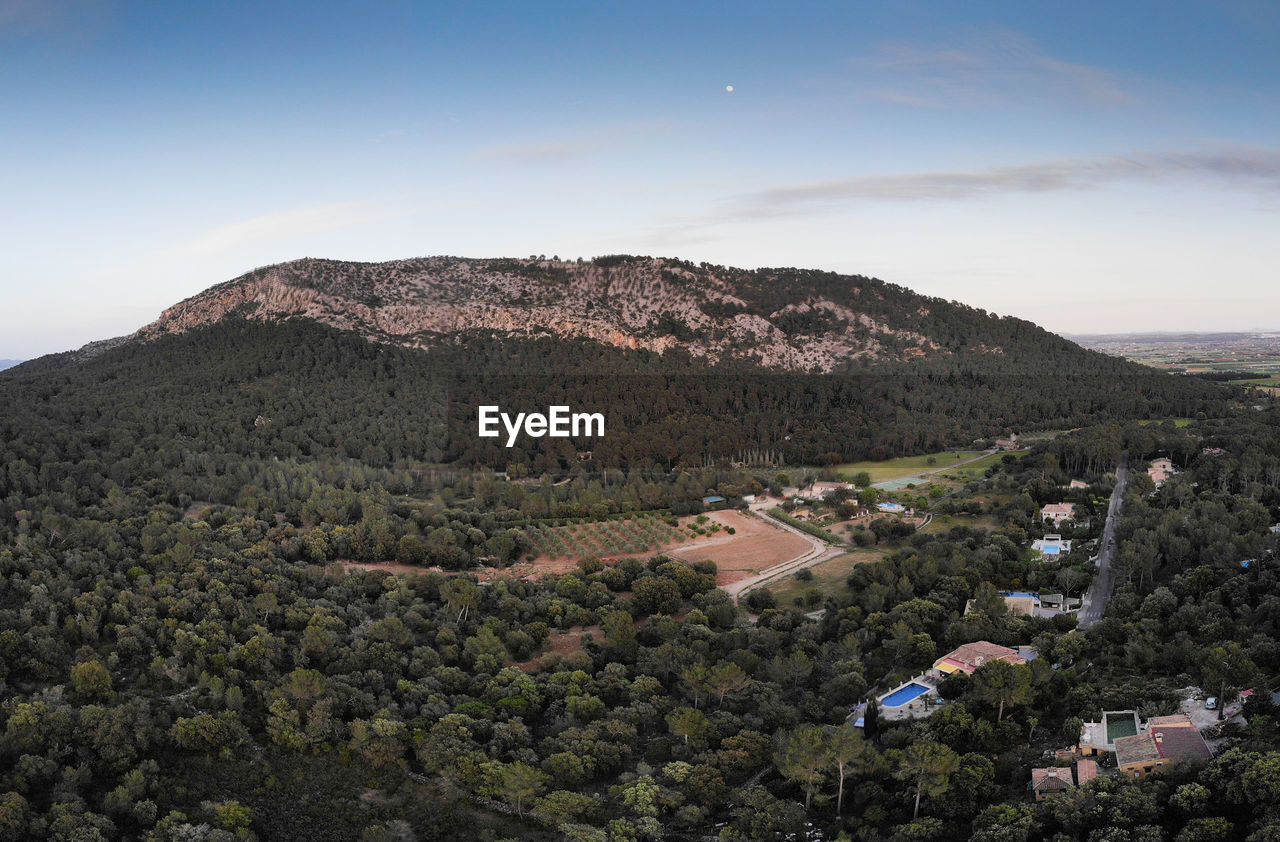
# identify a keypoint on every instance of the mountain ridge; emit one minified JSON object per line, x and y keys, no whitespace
{"x":789,"y":319}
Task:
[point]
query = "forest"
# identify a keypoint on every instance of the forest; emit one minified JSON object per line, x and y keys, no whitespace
{"x":184,"y":656}
{"x":296,"y":390}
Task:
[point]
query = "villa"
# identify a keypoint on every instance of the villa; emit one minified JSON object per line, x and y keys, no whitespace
{"x":970,"y":656}
{"x":1058,"y":512}
{"x":1168,"y":739}
{"x":1161,"y":469}
{"x":1142,"y":747}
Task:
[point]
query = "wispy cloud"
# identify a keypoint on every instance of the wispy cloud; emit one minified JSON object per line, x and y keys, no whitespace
{"x":284,"y":225}
{"x":1253,"y":167}
{"x":986,"y":70}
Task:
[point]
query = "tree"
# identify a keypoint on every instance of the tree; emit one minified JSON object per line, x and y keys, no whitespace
{"x":91,"y":681}
{"x":728,"y":677}
{"x":520,"y":783}
{"x":802,"y":756}
{"x":687,"y":722}
{"x":1227,"y":666}
{"x":1000,"y":682}
{"x":930,"y":767}
{"x":461,"y":594}
{"x":850,"y":754}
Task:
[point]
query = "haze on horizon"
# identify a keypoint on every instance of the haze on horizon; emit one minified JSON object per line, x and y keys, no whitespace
{"x":1091,"y":167}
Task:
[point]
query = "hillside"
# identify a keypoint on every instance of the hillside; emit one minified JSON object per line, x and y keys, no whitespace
{"x":790,"y":319}
{"x":257,"y":368}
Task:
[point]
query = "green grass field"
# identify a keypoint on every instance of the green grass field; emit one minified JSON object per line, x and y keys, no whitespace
{"x":905,"y":466}
{"x":976,"y":469}
{"x":828,"y":577}
{"x":1177,"y":422}
{"x":1269,"y":380}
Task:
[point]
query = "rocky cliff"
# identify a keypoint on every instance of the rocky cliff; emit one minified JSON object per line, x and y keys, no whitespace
{"x":784,"y":319}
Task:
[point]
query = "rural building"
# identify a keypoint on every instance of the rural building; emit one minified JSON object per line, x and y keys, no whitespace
{"x":1161,"y":469}
{"x":1010,"y":443}
{"x":713,"y":500}
{"x":970,"y":656}
{"x":1077,"y":483}
{"x":1162,"y":744}
{"x":1058,"y":512}
{"x":1086,"y":770}
{"x":1048,"y":783}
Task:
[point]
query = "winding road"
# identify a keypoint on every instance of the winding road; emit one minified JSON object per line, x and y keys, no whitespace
{"x":1095,"y":599}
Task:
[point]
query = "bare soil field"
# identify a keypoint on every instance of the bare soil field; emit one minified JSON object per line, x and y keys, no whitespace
{"x":755,"y":546}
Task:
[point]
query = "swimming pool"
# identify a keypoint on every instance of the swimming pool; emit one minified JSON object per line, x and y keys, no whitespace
{"x":903,"y":695}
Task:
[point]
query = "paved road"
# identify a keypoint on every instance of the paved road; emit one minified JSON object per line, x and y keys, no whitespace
{"x":1095,"y":599}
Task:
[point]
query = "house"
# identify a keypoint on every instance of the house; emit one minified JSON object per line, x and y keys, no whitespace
{"x":1086,"y":770}
{"x":748,"y":498}
{"x":1048,"y":783}
{"x":1160,"y":470}
{"x":1077,"y":483}
{"x":1010,"y":443}
{"x":713,"y":500}
{"x":892,"y":508}
{"x":1052,"y":546}
{"x":1058,"y":512}
{"x":1021,"y":604}
{"x":970,"y":656}
{"x":1162,"y":744}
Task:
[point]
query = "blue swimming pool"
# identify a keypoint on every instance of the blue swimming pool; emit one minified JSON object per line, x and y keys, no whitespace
{"x":1018,"y":593}
{"x":903,"y":695}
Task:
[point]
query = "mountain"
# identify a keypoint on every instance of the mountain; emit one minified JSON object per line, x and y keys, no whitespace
{"x":786,"y":319}
{"x":688,"y":363}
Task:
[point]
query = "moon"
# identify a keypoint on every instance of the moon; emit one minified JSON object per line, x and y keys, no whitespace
{"x":729,"y":88}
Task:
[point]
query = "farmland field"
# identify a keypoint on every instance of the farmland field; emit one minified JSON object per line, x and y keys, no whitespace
{"x":633,"y":536}
{"x":756,"y":546}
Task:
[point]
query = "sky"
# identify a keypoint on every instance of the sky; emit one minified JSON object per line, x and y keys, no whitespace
{"x":1095,"y":167}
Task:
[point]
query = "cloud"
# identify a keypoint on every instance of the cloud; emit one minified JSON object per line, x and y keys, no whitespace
{"x":1253,"y":167}
{"x":988,"y":70}
{"x":284,"y":225}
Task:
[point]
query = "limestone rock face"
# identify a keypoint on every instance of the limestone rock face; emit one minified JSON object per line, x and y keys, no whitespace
{"x":649,"y":303}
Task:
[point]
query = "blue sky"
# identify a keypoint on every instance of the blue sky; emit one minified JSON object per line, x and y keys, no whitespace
{"x":1094,"y":167}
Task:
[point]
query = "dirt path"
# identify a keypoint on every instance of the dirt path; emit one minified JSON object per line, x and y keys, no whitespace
{"x":818,"y":551}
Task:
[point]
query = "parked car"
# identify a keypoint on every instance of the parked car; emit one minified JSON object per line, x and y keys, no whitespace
{"x":1211,"y":703}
